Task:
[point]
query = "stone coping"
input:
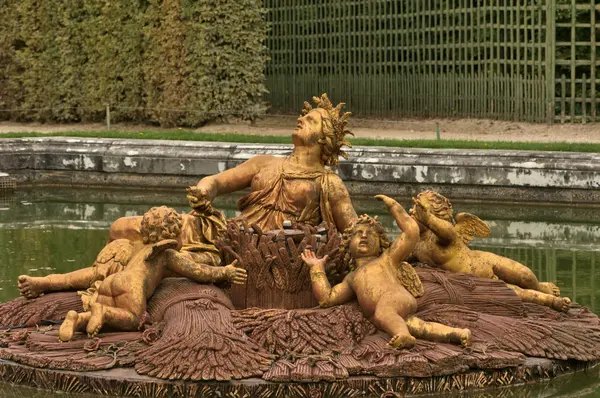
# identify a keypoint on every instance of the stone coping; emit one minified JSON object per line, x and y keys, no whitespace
{"x":568,"y":177}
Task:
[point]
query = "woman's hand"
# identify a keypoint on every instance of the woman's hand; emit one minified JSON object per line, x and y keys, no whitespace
{"x":234,"y":274}
{"x":198,"y":199}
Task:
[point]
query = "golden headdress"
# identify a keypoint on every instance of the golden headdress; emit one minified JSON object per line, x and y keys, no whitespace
{"x":334,"y":129}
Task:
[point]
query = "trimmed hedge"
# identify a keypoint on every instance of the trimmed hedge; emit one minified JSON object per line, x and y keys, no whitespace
{"x":173,"y":62}
{"x":9,"y":91}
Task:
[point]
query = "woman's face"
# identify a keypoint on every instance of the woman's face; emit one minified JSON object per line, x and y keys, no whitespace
{"x":309,"y":128}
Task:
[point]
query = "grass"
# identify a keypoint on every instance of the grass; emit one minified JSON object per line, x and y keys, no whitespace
{"x":272,"y":139}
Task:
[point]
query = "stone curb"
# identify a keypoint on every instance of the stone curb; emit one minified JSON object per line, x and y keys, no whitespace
{"x":524,"y":175}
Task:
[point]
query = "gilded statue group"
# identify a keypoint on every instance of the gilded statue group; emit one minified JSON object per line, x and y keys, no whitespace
{"x":302,"y":189}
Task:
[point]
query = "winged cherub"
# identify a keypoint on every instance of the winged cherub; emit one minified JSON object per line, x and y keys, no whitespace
{"x":444,"y":244}
{"x":120,"y":299}
{"x":383,"y":283}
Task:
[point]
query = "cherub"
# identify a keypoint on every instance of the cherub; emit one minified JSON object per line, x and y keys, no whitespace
{"x":200,"y":229}
{"x":120,"y":299}
{"x":383,"y":283}
{"x":113,"y":258}
{"x":444,"y":241}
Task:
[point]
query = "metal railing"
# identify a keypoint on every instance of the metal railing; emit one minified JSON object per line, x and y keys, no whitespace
{"x":440,"y":58}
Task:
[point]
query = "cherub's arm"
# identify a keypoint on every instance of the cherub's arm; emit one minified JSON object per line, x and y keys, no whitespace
{"x":341,"y":206}
{"x":322,"y":290}
{"x":422,"y":228}
{"x":227,"y":181}
{"x":328,"y":296}
{"x":406,"y":242}
{"x":202,"y":273}
{"x":443,"y":229}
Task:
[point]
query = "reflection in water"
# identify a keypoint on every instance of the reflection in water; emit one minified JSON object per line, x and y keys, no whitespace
{"x":56,"y":231}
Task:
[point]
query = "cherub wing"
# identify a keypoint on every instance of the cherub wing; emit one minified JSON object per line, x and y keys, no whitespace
{"x":160,"y":247}
{"x":409,"y":279}
{"x":117,"y":253}
{"x":468,"y":226}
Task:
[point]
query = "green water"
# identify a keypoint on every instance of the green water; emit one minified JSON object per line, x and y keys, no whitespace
{"x":56,"y":231}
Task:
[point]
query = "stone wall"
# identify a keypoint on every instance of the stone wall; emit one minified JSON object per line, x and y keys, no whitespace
{"x":516,"y":176}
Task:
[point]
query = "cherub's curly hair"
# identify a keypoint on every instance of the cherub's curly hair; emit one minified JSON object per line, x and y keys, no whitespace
{"x":384,"y":241}
{"x":160,"y":223}
{"x":440,"y":205}
{"x":334,"y":129}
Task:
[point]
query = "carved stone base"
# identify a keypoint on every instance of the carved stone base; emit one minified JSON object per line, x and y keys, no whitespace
{"x":194,"y":337}
{"x":277,"y":276}
{"x":125,"y":382}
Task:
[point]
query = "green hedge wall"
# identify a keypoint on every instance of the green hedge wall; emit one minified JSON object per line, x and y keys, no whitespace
{"x":10,"y":95}
{"x":173,"y":62}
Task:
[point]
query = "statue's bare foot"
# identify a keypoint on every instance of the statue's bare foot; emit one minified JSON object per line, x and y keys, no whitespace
{"x":465,"y":337}
{"x":30,"y":287}
{"x":402,"y":341}
{"x":96,"y":320}
{"x":549,"y":288}
{"x":67,"y":329}
{"x":561,"y":304}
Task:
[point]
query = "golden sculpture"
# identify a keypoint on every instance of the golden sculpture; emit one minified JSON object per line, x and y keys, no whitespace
{"x":269,"y":328}
{"x":297,"y":187}
{"x":384,"y":285}
{"x":120,"y":299}
{"x":443,"y":243}
{"x":200,"y":230}
{"x":197,"y":230}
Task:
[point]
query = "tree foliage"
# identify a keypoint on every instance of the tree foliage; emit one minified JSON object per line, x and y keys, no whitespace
{"x":174,"y":62}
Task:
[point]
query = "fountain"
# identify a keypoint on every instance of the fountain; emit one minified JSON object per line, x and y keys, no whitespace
{"x":267,"y":337}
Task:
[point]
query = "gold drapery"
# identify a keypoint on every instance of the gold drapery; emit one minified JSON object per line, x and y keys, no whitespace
{"x":272,"y":205}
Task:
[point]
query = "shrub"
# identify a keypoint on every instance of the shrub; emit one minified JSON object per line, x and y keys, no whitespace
{"x":174,"y":62}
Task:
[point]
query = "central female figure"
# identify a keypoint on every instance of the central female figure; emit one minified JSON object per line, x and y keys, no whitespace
{"x":298,"y":187}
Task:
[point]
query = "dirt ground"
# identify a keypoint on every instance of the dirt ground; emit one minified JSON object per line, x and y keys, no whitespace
{"x":471,"y":129}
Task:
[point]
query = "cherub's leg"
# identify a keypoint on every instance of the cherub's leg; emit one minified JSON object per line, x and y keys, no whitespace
{"x":388,"y":317}
{"x":117,"y":318}
{"x":433,"y":331}
{"x":549,"y":288}
{"x":549,"y":300}
{"x":73,"y":322}
{"x":31,"y":287}
{"x":515,"y":273}
{"x":393,"y":324}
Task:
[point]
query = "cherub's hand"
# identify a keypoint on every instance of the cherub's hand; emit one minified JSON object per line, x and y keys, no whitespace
{"x":198,"y":198}
{"x":234,"y":274}
{"x":311,"y":259}
{"x":420,"y":212}
{"x":389,"y":202}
